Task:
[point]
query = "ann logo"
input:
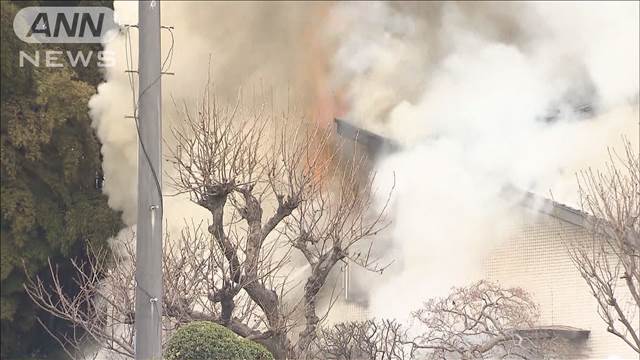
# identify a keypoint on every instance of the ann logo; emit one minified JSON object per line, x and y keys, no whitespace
{"x":65,"y":24}
{"x":41,"y":25}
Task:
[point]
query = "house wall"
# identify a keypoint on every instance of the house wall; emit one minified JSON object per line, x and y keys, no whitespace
{"x":535,"y":259}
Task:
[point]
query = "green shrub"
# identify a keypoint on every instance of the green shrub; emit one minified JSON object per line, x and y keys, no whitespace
{"x":203,"y":340}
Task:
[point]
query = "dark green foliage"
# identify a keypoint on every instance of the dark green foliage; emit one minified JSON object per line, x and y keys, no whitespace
{"x":49,"y":160}
{"x":203,"y":340}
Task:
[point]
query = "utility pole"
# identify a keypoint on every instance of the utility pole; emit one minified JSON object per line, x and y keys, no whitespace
{"x":148,"y":311}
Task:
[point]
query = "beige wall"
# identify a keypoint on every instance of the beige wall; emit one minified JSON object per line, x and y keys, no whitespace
{"x":535,"y":259}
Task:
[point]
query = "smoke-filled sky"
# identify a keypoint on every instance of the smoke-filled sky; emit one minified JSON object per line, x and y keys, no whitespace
{"x":483,"y":95}
{"x":254,"y":48}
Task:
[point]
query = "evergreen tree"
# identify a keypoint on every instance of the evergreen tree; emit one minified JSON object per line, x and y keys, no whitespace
{"x":50,"y":158}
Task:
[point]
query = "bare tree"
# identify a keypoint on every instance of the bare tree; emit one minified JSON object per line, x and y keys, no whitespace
{"x":358,"y":340}
{"x":609,"y":258}
{"x":480,"y":321}
{"x":280,"y":200}
{"x":101,"y":311}
{"x":318,"y":206}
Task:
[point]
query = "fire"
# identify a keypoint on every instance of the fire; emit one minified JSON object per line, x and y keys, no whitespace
{"x":326,"y":102}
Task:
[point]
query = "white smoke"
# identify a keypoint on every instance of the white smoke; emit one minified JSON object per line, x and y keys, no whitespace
{"x":254,"y":48}
{"x":483,"y":96}
{"x":464,"y":86}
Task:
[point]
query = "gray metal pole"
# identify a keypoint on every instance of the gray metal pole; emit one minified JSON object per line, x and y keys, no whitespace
{"x":148,"y":321}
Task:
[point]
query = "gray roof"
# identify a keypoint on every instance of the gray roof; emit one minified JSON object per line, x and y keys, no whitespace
{"x":549,"y":207}
{"x":374,"y":143}
{"x":554,"y":331}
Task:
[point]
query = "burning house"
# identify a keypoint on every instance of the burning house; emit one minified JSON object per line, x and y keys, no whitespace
{"x":535,"y":257}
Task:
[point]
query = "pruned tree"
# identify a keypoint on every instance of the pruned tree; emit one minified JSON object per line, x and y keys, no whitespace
{"x":609,"y":257}
{"x":317,"y":205}
{"x":481,"y":321}
{"x":280,"y":200}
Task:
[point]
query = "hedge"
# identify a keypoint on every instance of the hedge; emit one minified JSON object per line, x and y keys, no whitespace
{"x":204,"y":340}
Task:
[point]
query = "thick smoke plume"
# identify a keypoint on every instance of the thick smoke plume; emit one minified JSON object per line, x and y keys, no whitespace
{"x":247,"y":49}
{"x":481,"y":95}
{"x":484,"y":97}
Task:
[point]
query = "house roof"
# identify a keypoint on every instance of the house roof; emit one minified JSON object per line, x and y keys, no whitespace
{"x":374,"y":143}
{"x":554,"y":331}
{"x":549,"y":207}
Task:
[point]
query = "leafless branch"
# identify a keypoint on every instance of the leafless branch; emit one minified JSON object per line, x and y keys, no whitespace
{"x":609,"y":257}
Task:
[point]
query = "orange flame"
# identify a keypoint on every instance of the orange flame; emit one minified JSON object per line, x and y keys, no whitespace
{"x":326,"y":102}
